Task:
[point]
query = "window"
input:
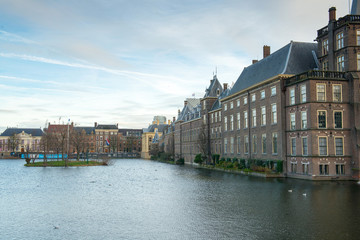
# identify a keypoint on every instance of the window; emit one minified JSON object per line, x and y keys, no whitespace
{"x":231,"y":105}
{"x":339,"y":40}
{"x":339,"y":146}
{"x":293,"y":146}
{"x":212,"y":118}
{"x":303,"y":93}
{"x":273,"y":91}
{"x":263,"y":143}
{"x":292,"y":121}
{"x":219,"y":116}
{"x":322,"y":119}
{"x":320,"y":92}
{"x":337,"y":92}
{"x":232,"y":145}
{"x":231,"y":122}
{"x":254,"y":117}
{"x":225,"y":145}
{"x":245,"y":119}
{"x":253,"y":97}
{"x":324,"y":169}
{"x":238,"y":103}
{"x":340,"y":63}
{"x":303,"y":120}
{"x":292,"y":96}
{"x":225,"y":123}
{"x":325,"y":47}
{"x":340,"y":169}
{"x":245,"y":100}
{"x":238,"y":120}
{"x":238,"y":145}
{"x":273,"y":114}
{"x":204,"y":105}
{"x":274,"y":143}
{"x":305,"y":167}
{"x":304,"y":146}
{"x":358,"y":37}
{"x":358,"y":61}
{"x":263,"y":115}
{"x":254,"y":144}
{"x":325,"y":65}
{"x":323,"y":146}
{"x":215,"y":117}
{"x":293,"y":167}
{"x":246,"y":144}
{"x":225,"y":107}
{"x":338,"y":119}
{"x":262,"y":94}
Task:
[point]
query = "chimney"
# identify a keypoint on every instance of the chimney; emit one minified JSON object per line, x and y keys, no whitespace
{"x":225,"y":86}
{"x":254,"y":61}
{"x":174,"y":119}
{"x":332,"y":14}
{"x":158,"y":122}
{"x":266,"y":51}
{"x":169,"y":122}
{"x":95,"y":124}
{"x":185,"y":103}
{"x":178,"y":112}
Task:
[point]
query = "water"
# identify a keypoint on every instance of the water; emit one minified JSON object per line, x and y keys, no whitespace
{"x":138,"y":199}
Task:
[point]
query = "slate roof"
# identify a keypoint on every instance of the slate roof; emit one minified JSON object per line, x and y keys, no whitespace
{"x":88,"y":130}
{"x":355,"y":8}
{"x":217,"y":103}
{"x":102,"y":126}
{"x":36,"y":132}
{"x":131,"y":132}
{"x":294,"y":58}
{"x":215,"y":85}
{"x":191,"y":110}
{"x":160,"y":127}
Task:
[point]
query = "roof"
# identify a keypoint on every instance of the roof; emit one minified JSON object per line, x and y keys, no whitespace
{"x":88,"y":130}
{"x":191,"y":110}
{"x":215,"y":85}
{"x":130,"y":132}
{"x":36,"y":132}
{"x":217,"y":103}
{"x":102,"y":126}
{"x":294,"y":58}
{"x":160,"y":127}
{"x":355,"y":8}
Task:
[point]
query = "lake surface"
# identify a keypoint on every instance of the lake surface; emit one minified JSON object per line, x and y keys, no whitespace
{"x":139,"y":199}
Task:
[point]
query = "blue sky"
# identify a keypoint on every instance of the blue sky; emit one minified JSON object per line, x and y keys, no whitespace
{"x":119,"y":61}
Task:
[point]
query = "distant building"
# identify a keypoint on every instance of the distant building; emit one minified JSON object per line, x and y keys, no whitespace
{"x":106,"y":138}
{"x":154,"y":131}
{"x":21,"y":140}
{"x":130,"y":140}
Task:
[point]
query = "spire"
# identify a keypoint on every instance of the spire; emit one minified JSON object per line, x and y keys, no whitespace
{"x":355,"y":8}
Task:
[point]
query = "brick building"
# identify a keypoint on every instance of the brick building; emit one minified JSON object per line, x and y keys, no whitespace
{"x":299,"y":104}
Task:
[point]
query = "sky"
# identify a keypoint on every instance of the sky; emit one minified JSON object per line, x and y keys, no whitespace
{"x":123,"y":62}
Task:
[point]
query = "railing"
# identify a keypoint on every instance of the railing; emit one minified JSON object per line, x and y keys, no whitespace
{"x":340,"y":22}
{"x":316,"y":74}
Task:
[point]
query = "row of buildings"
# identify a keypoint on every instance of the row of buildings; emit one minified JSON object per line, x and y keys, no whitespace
{"x":99,"y":138}
{"x":299,"y":104}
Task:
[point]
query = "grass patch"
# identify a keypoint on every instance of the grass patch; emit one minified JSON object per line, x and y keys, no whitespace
{"x":62,"y":164}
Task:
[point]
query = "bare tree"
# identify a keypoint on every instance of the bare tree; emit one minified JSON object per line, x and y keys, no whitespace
{"x":78,"y":141}
{"x":13,"y":142}
{"x":47,"y":143}
{"x":154,"y":149}
{"x":203,"y":142}
{"x":113,"y":143}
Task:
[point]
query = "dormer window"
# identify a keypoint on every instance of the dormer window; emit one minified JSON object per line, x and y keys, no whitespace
{"x":217,"y":92}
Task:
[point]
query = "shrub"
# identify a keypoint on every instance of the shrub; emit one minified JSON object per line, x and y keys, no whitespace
{"x":242,"y":164}
{"x":259,"y":163}
{"x":215,"y":158}
{"x":230,"y":165}
{"x":198,"y":159}
{"x":279,"y":166}
{"x":180,"y":161}
{"x":228,"y":159}
{"x":234,"y":160}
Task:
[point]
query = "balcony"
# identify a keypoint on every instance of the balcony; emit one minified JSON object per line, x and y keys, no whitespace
{"x":315,"y":74}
